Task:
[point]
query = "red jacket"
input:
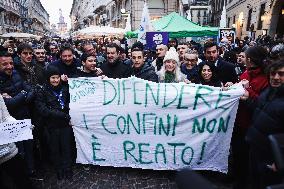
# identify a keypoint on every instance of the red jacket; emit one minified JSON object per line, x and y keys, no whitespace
{"x":257,"y":83}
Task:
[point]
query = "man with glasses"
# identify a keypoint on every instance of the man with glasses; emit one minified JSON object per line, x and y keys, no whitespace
{"x":189,"y":66}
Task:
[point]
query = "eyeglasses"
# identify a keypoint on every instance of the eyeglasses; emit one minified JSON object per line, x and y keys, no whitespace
{"x":27,"y":53}
{"x":280,"y":73}
{"x":43,"y":53}
{"x":190,"y":60}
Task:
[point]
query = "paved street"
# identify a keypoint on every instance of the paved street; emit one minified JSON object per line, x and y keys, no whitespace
{"x":121,"y":178}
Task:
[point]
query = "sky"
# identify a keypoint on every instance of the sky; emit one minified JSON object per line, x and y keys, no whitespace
{"x":52,"y":7}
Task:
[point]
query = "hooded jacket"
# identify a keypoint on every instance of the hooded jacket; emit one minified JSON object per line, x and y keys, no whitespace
{"x":147,"y":72}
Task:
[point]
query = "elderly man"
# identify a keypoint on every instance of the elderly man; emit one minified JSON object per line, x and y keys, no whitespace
{"x":189,"y":67}
{"x":161,"y":53}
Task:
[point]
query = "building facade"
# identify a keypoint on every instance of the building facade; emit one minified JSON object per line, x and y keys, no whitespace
{"x":250,"y":17}
{"x":115,"y":12}
{"x":23,"y":16}
{"x":256,"y":17}
{"x":198,"y":12}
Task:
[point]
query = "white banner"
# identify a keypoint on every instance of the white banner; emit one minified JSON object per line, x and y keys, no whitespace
{"x":14,"y":131}
{"x":141,"y":124}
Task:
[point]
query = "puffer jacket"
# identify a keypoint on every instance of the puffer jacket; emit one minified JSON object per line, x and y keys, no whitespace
{"x":18,"y":105}
{"x":7,"y":151}
{"x":147,"y":72}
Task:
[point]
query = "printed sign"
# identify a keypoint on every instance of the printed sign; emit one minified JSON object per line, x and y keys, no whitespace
{"x":141,"y":124}
{"x":15,"y":131}
{"x":227,"y":34}
{"x":156,"y":38}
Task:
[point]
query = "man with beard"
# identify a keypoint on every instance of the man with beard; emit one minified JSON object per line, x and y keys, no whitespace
{"x":24,"y":65}
{"x":140,"y":69}
{"x":67,"y":64}
{"x":225,"y":70}
{"x":114,"y":67}
{"x":40,"y":63}
{"x":161,"y":53}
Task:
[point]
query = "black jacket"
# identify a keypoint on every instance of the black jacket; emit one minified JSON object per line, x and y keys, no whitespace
{"x":48,"y":106}
{"x":226,"y":71}
{"x":27,"y":73}
{"x":116,"y":70}
{"x":18,"y":105}
{"x":69,"y":70}
{"x":268,"y":118}
{"x":147,"y":72}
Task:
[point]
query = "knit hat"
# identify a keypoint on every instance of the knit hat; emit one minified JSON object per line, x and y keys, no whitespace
{"x":50,"y":71}
{"x":171,"y":55}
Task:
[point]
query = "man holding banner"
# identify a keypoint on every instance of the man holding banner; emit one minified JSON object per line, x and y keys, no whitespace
{"x":140,"y":68}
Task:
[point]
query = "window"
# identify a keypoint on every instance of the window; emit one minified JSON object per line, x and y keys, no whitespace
{"x":261,"y":13}
{"x":249,"y":19}
{"x":156,"y":4}
{"x":234,"y":19}
{"x":228,"y":22}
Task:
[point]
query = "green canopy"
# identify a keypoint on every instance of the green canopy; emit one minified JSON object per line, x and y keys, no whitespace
{"x":179,"y":27}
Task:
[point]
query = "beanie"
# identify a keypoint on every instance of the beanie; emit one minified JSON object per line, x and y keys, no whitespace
{"x":50,"y":71}
{"x":171,"y":55}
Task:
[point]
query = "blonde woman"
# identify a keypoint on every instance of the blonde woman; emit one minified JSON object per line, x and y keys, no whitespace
{"x":170,"y":71}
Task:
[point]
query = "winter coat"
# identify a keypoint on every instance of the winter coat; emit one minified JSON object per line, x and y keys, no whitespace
{"x":226,"y":71}
{"x":268,"y":119}
{"x":27,"y":73}
{"x":116,"y":70}
{"x":258,"y":82}
{"x":147,"y":72}
{"x":18,"y":105}
{"x":48,"y":106}
{"x":69,"y":70}
{"x":7,"y":151}
{"x":192,"y":75}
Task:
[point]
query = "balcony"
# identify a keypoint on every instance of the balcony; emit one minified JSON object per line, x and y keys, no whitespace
{"x":11,"y":9}
{"x":2,"y":6}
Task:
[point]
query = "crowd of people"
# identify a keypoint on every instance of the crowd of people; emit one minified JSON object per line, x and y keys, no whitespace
{"x":34,"y":85}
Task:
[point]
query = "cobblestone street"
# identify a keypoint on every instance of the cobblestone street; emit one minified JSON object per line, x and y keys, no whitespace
{"x":86,"y":177}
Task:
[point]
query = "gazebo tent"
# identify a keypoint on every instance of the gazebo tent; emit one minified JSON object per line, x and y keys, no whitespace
{"x":179,"y":27}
